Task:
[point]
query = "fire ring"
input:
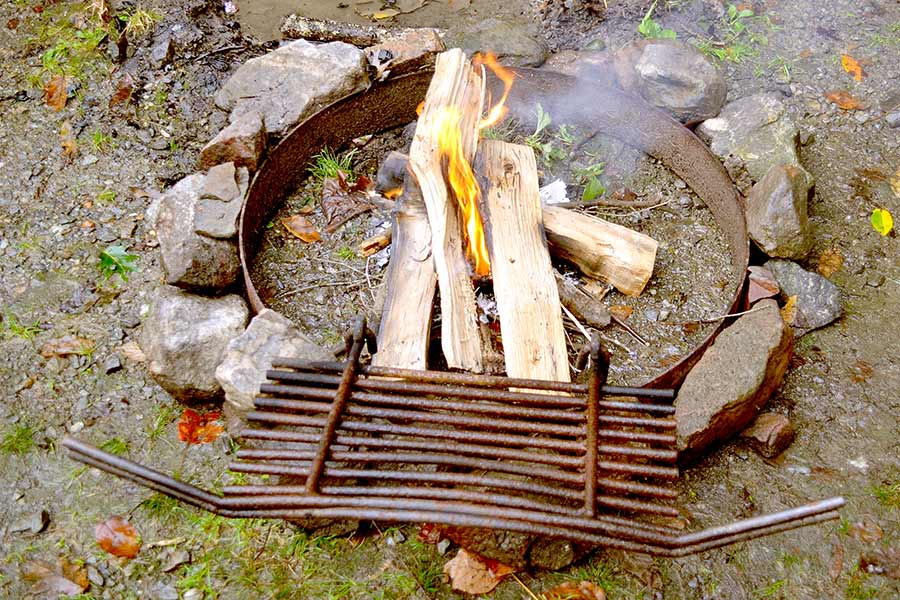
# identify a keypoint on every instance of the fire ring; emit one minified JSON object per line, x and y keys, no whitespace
{"x":392,"y":103}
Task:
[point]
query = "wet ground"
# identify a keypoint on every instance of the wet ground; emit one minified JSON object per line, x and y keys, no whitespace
{"x":58,"y":212}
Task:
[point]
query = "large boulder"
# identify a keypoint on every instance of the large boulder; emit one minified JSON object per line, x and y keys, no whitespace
{"x":757,"y":130}
{"x":509,"y":39}
{"x":184,"y":340}
{"x":190,"y":260}
{"x":733,"y":380}
{"x":777,"y":212}
{"x":242,"y":142}
{"x":672,"y":75}
{"x":817,"y":301}
{"x":248,"y":356}
{"x":290,"y":83}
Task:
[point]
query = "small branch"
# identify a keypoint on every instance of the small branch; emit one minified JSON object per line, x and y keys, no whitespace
{"x":627,"y":328}
{"x":578,"y":324}
{"x":525,"y":587}
{"x":314,"y":286}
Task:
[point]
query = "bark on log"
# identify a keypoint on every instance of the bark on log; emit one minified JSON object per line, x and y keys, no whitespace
{"x":403,"y":333}
{"x":534,"y":342}
{"x":600,"y":249}
{"x":455,"y":86}
{"x":585,"y":307}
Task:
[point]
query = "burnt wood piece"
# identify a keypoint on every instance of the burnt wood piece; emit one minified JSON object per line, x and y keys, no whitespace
{"x":534,"y":341}
{"x":326,"y":30}
{"x":583,"y":305}
{"x":455,"y":89}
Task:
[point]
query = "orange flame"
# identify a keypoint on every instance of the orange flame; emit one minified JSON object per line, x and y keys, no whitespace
{"x":464,"y":186}
{"x":498,"y":111}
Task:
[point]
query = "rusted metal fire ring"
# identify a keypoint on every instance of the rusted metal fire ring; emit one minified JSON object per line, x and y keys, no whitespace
{"x":392,"y":103}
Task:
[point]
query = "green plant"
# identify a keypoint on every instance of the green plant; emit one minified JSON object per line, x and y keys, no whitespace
{"x":651,"y":29}
{"x":346,"y":252}
{"x":139,"y":21}
{"x":106,"y":196}
{"x":19,"y":440}
{"x":100,"y":142}
{"x":165,"y":414}
{"x":739,"y":39}
{"x":857,"y":588}
{"x":115,"y":260}
{"x":12,"y":328}
{"x":545,"y":150}
{"x":115,"y":446}
{"x":589,"y":177}
{"x":326,"y":164}
{"x":888,"y":495}
{"x":770,"y":590}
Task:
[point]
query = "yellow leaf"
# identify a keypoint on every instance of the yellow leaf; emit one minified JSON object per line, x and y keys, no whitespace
{"x":385,"y":14}
{"x":55,"y":93}
{"x":882,"y":221}
{"x":852,"y":66}
{"x":299,"y":226}
{"x":789,"y":310}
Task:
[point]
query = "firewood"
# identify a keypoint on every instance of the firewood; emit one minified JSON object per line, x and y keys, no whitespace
{"x":376,"y":243}
{"x":534,"y":341}
{"x":585,"y":307}
{"x":403,"y":333}
{"x":600,"y":249}
{"x":456,"y":86}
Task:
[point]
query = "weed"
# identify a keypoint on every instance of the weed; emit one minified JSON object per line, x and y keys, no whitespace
{"x":857,"y":588}
{"x":501,"y":131}
{"x":740,"y":38}
{"x":107,"y":196}
{"x":161,"y":507}
{"x":139,"y":21}
{"x":100,"y":142}
{"x":346,"y":252}
{"x":888,"y":495}
{"x":545,"y":150}
{"x":326,"y":164}
{"x":20,"y":440}
{"x":115,"y":445}
{"x":770,"y":590}
{"x":165,"y":414}
{"x":115,"y":260}
{"x":589,"y":177}
{"x":653,"y":30}
{"x":173,"y":146}
{"x":12,"y":328}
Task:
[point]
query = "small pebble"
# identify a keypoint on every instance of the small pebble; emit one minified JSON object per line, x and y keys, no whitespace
{"x":443,"y":546}
{"x":874,"y":280}
{"x":94,"y":576}
{"x":893,"y":119}
{"x":76,"y":427}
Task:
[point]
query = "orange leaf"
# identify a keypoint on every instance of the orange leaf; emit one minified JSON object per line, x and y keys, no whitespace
{"x":471,"y":574}
{"x":844,"y":100}
{"x":123,"y":92}
{"x":55,"y":92}
{"x":571,"y":590}
{"x":852,"y":66}
{"x":67,"y":140}
{"x":195,"y":428}
{"x":12,"y":23}
{"x":620,"y":311}
{"x":299,"y":226}
{"x":118,"y":537}
{"x":861,"y":371}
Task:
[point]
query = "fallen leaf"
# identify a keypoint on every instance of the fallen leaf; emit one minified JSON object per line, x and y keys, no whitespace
{"x":67,"y":140}
{"x":13,"y":23}
{"x":852,"y":66}
{"x":118,"y":537}
{"x":882,"y":221}
{"x":837,"y":561}
{"x":571,"y":590}
{"x":881,"y":562}
{"x":866,"y":531}
{"x":620,"y":311}
{"x":385,"y":14}
{"x":342,"y":201}
{"x":861,"y":371}
{"x":49,"y":581}
{"x":873,"y":174}
{"x":196,"y":428}
{"x":844,"y":100}
{"x":690,"y":327}
{"x":830,"y":262}
{"x":123,"y":91}
{"x":55,"y":92}
{"x":38,"y":8}
{"x":300,"y":227}
{"x":470,"y":574}
{"x":66,"y":345}
{"x":429,"y":533}
{"x":895,"y":182}
{"x":132,"y":351}
{"x":789,"y":310}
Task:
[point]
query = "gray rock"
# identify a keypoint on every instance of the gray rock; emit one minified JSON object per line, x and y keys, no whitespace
{"x":290,"y":83}
{"x":192,"y":261}
{"x":244,"y":363}
{"x":185,"y":337}
{"x":242,"y":142}
{"x":391,"y":172}
{"x":893,"y":119}
{"x":217,"y":210}
{"x":553,"y":554}
{"x":507,"y":38}
{"x":94,"y":576}
{"x":673,"y":76}
{"x":756,"y":129}
{"x":777,"y":212}
{"x":112,"y":364}
{"x":733,"y":380}
{"x":818,"y":300}
{"x":163,"y":51}
{"x":585,"y":64}
{"x":770,"y":434}
{"x":33,"y":524}
{"x":406,"y":51}
{"x":508,"y":547}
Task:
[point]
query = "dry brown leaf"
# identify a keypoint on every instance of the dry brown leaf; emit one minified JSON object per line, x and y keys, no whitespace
{"x":12,"y":24}
{"x":342,"y":201}
{"x":789,"y":310}
{"x":49,"y":581}
{"x":66,"y":345}
{"x":866,"y":531}
{"x":118,"y":537}
{"x":844,"y":100}
{"x":196,"y":428}
{"x":471,"y":574}
{"x":852,"y":66}
{"x":830,"y":262}
{"x":572,"y":590}
{"x":67,"y":140}
{"x":881,"y":562}
{"x":620,"y":311}
{"x":132,"y":351}
{"x":300,"y":227}
{"x":123,"y":91}
{"x":861,"y":371}
{"x":837,"y":561}
{"x":55,"y":92}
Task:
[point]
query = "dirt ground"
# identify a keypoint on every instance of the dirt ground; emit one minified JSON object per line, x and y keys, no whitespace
{"x":76,"y":181}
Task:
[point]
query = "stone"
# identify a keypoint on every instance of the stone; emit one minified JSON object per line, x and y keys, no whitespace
{"x":185,"y":337}
{"x":33,"y":523}
{"x":585,"y":64}
{"x":190,"y":260}
{"x":770,"y":434}
{"x":391,"y":172}
{"x":755,"y":129}
{"x":672,"y":75}
{"x":893,"y":119}
{"x":112,"y":364}
{"x":507,"y":547}
{"x":288,"y":84}
{"x":777,"y":212}
{"x":243,"y":142}
{"x":404,"y":52}
{"x":507,"y":38}
{"x":162,"y":52}
{"x":733,"y":380}
{"x":245,"y":360}
{"x":818,"y":300}
{"x":761,"y":284}
{"x":219,"y":206}
{"x":552,"y":554}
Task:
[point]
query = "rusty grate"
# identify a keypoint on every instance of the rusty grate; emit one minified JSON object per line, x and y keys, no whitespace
{"x":548,"y":458}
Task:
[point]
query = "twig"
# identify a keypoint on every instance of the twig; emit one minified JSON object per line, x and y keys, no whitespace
{"x":578,"y":324}
{"x":218,"y":50}
{"x":653,"y":206}
{"x":633,"y":333}
{"x":314,"y":286}
{"x":525,"y":587}
{"x":723,"y":317}
{"x":609,"y":340}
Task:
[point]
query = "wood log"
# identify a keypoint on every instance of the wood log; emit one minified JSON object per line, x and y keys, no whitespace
{"x":403,"y":332}
{"x":456,"y":86}
{"x":586,"y":308}
{"x":534,"y":342}
{"x":600,"y":249}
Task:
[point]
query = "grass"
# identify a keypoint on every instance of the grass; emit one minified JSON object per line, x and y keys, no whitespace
{"x":19,"y":440}
{"x":139,"y":21}
{"x":165,"y":414}
{"x":741,"y":36}
{"x":888,"y":495}
{"x":327,"y":163}
{"x":346,"y":252}
{"x":857,"y":589}
{"x":770,"y":591}
{"x":107,"y":196}
{"x":115,"y":445}
{"x":13,"y":329}
{"x":101,"y":142}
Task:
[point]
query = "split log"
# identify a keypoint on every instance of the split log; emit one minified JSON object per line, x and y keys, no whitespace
{"x":586,"y":308}
{"x":403,"y":333}
{"x":534,"y":342}
{"x":600,"y":249}
{"x":456,"y":86}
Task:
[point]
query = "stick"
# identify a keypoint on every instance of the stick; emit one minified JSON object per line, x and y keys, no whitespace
{"x":583,"y":305}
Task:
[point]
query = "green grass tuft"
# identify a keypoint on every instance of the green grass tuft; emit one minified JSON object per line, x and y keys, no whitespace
{"x":327,"y":163}
{"x":20,"y":440}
